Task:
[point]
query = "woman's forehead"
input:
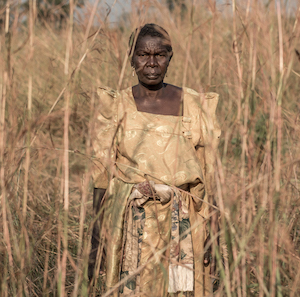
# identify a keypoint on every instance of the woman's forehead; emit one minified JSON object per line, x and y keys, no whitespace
{"x":152,"y":43}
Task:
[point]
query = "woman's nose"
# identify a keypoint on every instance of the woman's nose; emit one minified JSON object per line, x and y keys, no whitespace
{"x":152,"y":62}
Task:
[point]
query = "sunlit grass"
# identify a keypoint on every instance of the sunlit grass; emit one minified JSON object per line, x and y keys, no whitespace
{"x":243,"y":50}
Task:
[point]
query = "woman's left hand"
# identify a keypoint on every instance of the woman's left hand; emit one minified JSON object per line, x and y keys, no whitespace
{"x":207,"y":254}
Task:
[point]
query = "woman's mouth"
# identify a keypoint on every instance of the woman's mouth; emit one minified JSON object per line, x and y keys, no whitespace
{"x":152,"y":75}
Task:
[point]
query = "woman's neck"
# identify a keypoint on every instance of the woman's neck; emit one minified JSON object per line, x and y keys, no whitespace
{"x":150,"y":92}
{"x":167,"y":100}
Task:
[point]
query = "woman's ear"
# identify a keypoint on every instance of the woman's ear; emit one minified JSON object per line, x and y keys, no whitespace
{"x":131,"y":62}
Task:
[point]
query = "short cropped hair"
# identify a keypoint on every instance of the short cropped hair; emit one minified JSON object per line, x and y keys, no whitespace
{"x":152,"y":30}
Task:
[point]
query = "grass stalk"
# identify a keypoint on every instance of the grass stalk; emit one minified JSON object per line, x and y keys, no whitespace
{"x":66,"y":152}
{"x":212,"y":5}
{"x":238,"y":64}
{"x":246,"y":52}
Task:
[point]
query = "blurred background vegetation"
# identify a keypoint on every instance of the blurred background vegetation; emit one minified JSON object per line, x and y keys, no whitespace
{"x":54,"y":54}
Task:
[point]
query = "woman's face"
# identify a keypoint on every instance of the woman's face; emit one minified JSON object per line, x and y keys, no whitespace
{"x":151,"y":60}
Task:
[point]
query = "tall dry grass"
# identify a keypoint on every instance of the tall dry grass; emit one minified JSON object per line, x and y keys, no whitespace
{"x":244,"y":50}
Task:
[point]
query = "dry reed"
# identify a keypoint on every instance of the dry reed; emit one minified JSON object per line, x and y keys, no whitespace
{"x":244,"y":50}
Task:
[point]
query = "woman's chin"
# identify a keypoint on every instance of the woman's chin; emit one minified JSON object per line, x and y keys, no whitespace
{"x":152,"y":80}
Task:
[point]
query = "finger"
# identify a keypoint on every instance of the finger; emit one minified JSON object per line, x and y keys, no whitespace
{"x":213,"y":266}
{"x":206,"y":259}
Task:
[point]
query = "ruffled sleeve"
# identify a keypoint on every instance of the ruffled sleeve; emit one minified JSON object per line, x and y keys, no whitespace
{"x":210,"y":130}
{"x":104,"y":142}
{"x":205,"y":138}
{"x":207,"y":148}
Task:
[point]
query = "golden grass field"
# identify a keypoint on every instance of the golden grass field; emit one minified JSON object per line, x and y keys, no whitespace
{"x":244,"y":50}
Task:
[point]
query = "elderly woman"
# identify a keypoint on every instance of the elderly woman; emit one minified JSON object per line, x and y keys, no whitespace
{"x":154,"y":148}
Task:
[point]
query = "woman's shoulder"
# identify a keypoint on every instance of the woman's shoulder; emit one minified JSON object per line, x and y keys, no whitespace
{"x":207,"y":102}
{"x":207,"y":95}
{"x":110,"y":101}
{"x":105,"y":101}
{"x":104,"y":91}
{"x":112,"y":93}
{"x":174,"y":89}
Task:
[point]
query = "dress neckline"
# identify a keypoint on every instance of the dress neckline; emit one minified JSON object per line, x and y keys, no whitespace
{"x":157,"y":114}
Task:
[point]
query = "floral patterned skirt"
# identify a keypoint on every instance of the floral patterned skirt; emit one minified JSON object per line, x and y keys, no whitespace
{"x":157,"y":247}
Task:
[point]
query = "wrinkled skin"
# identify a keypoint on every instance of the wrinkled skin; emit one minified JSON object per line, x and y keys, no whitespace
{"x":150,"y":61}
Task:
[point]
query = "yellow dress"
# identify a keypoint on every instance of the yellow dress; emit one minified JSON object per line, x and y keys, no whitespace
{"x":132,"y":147}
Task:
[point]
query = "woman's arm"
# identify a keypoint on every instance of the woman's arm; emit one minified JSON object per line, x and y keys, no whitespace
{"x":104,"y":154}
{"x":103,"y":141}
{"x":206,"y":152}
{"x":97,"y":198}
